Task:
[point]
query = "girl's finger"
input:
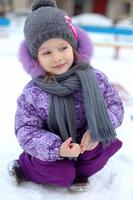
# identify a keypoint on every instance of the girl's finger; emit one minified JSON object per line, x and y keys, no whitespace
{"x":68,"y":141}
{"x":83,"y":139}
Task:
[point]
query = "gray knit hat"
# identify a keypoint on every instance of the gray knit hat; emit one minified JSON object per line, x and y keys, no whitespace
{"x":46,"y":21}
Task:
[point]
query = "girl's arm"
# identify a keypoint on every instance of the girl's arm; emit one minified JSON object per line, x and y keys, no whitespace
{"x":31,"y":133}
{"x":113,"y":102}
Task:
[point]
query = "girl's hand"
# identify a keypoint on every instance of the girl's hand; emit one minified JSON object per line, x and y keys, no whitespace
{"x":69,"y":149}
{"x":86,"y":143}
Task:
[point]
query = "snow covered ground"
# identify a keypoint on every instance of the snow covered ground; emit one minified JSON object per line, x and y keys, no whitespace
{"x":114,"y":181}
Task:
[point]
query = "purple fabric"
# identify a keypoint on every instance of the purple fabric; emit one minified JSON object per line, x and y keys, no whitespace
{"x":85,"y":45}
{"x":32,"y":115}
{"x":85,"y":49}
{"x":87,"y":164}
{"x":30,"y":65}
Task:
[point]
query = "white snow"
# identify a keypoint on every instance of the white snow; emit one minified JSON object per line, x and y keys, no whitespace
{"x":125,"y":23}
{"x":92,"y":19}
{"x":114,"y":181}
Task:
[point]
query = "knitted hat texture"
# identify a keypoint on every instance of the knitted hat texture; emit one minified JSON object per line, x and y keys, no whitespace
{"x":46,"y":21}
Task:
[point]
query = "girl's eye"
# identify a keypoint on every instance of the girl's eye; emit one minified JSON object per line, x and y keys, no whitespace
{"x":64,"y":48}
{"x":46,"y":53}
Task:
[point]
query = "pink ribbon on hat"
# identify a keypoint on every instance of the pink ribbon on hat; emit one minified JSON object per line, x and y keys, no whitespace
{"x":68,"y":20}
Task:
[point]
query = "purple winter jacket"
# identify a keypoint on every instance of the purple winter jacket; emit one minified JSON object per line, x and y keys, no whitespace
{"x":33,"y":107}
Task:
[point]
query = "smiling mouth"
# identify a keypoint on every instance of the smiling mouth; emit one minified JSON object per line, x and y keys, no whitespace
{"x":60,"y":66}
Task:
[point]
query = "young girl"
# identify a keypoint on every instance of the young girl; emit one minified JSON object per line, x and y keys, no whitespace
{"x":67,"y":114}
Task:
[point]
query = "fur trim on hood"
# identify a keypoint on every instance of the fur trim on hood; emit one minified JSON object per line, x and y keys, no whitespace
{"x":31,"y":66}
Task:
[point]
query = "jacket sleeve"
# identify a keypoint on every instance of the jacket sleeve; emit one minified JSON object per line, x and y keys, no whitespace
{"x":113,"y":102}
{"x":31,"y":133}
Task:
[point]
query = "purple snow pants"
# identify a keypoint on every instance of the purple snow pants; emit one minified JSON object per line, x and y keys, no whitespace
{"x":63,"y":172}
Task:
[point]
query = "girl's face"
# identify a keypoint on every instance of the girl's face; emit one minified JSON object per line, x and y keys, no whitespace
{"x":55,"y":56}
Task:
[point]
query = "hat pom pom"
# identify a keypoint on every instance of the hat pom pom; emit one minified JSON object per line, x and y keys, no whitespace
{"x":42,"y":3}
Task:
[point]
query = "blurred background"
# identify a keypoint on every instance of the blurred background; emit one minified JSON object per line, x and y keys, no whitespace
{"x":115,"y":9}
{"x":109,"y":25}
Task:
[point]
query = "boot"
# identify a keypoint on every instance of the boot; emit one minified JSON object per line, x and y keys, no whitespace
{"x":15,"y":172}
{"x":81,"y":184}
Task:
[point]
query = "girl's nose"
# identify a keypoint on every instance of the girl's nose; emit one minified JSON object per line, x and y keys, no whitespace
{"x":57,"y":57}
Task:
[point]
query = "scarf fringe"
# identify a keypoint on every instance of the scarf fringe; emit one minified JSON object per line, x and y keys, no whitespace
{"x":105,"y":136}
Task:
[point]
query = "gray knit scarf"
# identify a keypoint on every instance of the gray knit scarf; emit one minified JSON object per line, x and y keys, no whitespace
{"x":62,"y":118}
